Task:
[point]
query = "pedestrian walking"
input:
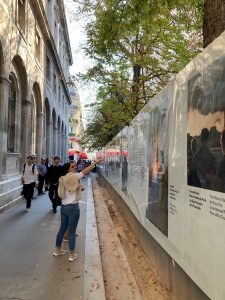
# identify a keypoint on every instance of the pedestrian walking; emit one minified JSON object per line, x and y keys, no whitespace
{"x":41,"y":176}
{"x":29,"y":180}
{"x":69,"y":191}
{"x":53,"y":174}
{"x":47,"y":165}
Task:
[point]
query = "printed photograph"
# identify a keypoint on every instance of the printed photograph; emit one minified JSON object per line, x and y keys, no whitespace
{"x":157,"y":206}
{"x":124,"y":155}
{"x":205,"y":128}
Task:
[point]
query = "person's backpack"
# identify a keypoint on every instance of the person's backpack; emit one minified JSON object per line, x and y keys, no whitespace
{"x":24,"y":166}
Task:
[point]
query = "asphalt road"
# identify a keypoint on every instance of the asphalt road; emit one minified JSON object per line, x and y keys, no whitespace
{"x":28,"y":270}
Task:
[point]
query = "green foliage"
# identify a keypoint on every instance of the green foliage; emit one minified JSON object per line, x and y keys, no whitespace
{"x":137,"y":46}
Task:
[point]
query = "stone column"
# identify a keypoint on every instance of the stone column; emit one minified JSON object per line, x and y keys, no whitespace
{"x":49,"y":139}
{"x":39,"y":135}
{"x":63,"y":147}
{"x":59,"y":144}
{"x":55,"y":142}
{"x":44,"y":136}
{"x":26,"y":135}
{"x":4,"y":92}
{"x":66,"y":146}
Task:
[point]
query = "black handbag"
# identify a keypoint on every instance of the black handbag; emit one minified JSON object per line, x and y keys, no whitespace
{"x":56,"y":196}
{"x":58,"y":201}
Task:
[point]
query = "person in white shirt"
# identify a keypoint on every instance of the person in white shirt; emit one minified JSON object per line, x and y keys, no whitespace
{"x":69,"y":191}
{"x":29,"y":180}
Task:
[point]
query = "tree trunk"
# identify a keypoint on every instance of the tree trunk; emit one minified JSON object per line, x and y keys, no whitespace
{"x":213,"y":21}
{"x":136,"y":87}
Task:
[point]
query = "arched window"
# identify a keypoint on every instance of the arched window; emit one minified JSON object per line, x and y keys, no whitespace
{"x":11,"y":114}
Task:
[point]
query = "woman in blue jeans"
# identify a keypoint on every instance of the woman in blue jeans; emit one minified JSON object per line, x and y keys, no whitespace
{"x":69,"y":191}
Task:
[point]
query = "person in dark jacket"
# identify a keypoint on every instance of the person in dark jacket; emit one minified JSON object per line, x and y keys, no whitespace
{"x":204,"y":161}
{"x":47,"y":165}
{"x":53,"y":174}
{"x":221,"y":165}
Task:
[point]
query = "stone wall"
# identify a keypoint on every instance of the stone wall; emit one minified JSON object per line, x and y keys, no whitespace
{"x":33,"y":106}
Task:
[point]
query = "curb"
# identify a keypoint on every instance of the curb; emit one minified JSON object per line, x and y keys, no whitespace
{"x":129,"y":285}
{"x":93,"y":278}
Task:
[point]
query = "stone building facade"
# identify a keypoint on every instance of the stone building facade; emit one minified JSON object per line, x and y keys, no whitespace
{"x":75,"y":129}
{"x":35,"y":56}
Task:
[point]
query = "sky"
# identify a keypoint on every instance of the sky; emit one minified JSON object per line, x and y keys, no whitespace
{"x":80,"y":61}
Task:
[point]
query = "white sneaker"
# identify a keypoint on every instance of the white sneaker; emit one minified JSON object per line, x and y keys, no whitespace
{"x":27,"y":209}
{"x":72,"y":256}
{"x":59,"y":252}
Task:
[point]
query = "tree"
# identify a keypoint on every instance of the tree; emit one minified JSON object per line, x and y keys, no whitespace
{"x":213,"y":21}
{"x":137,"y":45}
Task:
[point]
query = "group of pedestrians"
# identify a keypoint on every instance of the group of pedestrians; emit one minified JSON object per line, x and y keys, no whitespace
{"x":42,"y":177}
{"x":204,"y":170}
{"x":63,"y":183}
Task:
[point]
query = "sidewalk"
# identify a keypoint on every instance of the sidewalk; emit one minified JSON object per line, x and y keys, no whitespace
{"x":28,"y":269}
{"x":30,"y":272}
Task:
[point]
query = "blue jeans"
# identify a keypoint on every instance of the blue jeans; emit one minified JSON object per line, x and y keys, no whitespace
{"x":70,"y":215}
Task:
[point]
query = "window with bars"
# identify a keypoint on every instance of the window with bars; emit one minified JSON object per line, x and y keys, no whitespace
{"x":59,"y":95}
{"x":48,"y":69}
{"x":38,"y":46}
{"x":54,"y":83}
{"x":11,"y":115}
{"x":22,"y":14}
